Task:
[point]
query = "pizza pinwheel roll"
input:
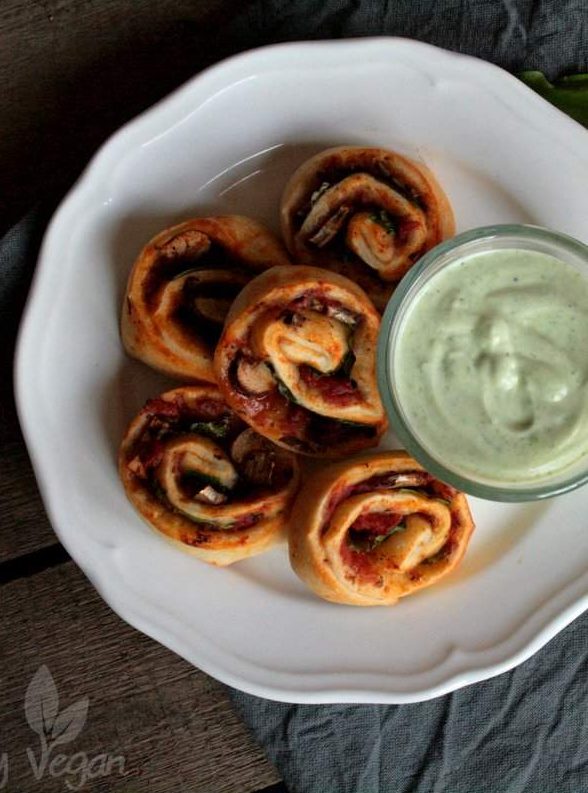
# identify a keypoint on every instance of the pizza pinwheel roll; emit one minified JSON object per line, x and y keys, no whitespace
{"x":366,"y":213}
{"x":202,"y":478}
{"x":296,"y":360}
{"x":372,"y":530}
{"x":181,"y":287}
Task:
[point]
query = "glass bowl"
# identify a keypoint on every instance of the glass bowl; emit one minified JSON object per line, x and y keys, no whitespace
{"x":454,"y":472}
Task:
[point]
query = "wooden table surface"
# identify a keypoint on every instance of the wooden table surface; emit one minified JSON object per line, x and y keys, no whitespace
{"x":72,"y":71}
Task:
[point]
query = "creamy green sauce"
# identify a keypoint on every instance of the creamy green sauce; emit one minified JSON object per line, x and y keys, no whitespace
{"x":491,"y":366}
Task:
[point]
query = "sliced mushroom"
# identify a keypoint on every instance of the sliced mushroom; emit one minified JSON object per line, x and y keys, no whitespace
{"x":211,"y":292}
{"x":342,"y":315}
{"x":200,"y":458}
{"x":358,"y":190}
{"x":415,"y":479}
{"x":358,"y":195}
{"x":330,"y":228}
{"x":254,"y":377}
{"x":208,"y":495}
{"x":319,"y":191}
{"x":195,"y":303}
{"x":246,"y":443}
{"x":260,"y":461}
{"x":188,"y":243}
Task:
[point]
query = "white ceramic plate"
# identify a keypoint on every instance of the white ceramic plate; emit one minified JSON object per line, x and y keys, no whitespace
{"x":226,"y":142}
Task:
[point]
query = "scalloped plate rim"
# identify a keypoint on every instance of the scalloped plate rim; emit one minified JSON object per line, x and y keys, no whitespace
{"x":127,"y":605}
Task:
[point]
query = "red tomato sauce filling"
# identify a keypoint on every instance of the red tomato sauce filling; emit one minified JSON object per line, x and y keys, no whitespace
{"x":374,"y":524}
{"x":336,"y":389}
{"x":361,"y":564}
{"x":166,"y":418}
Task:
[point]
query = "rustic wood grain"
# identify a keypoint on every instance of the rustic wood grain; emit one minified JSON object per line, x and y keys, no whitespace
{"x":24,"y":526}
{"x":172,"y":723}
{"x":73,"y":71}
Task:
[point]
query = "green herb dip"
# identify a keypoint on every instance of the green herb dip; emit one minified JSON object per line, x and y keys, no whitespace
{"x":491,"y":366}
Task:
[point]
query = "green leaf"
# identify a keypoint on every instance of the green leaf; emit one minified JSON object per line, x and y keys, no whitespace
{"x":382,"y":218}
{"x":569,"y":94}
{"x":379,"y":539}
{"x":212,"y":429}
{"x":285,"y":391}
{"x":372,"y":542}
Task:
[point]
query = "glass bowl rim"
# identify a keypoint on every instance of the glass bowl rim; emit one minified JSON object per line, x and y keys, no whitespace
{"x":397,"y":422}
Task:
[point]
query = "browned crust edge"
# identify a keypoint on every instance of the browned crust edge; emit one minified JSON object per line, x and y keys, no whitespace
{"x":263,"y":291}
{"x":217,"y":547}
{"x":306,"y":522}
{"x":263,"y":250}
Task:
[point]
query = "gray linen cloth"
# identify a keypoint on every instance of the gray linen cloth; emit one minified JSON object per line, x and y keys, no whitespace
{"x":549,"y":35}
{"x":525,"y":731}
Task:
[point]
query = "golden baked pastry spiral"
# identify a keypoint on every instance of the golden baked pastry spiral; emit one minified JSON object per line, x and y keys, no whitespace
{"x":203,"y":479}
{"x":182,"y":285}
{"x":367,"y":213}
{"x":372,"y":530}
{"x":296,"y":360}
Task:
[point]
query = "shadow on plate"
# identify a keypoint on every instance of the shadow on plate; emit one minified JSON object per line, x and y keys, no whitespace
{"x":519,"y":520}
{"x":123,"y":395}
